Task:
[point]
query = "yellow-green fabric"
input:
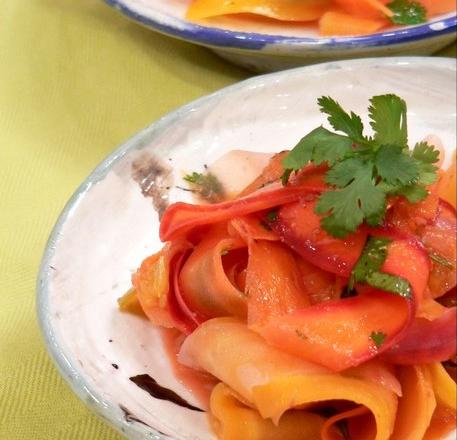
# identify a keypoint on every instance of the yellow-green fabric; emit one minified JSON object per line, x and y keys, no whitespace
{"x":76,"y":80}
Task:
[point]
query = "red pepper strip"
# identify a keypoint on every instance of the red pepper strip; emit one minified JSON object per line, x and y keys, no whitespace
{"x":299,"y":227}
{"x":156,"y":287}
{"x":338,"y":334}
{"x":426,"y":341}
{"x":181,"y":217}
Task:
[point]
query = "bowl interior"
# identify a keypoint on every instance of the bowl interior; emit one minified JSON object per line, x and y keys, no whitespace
{"x":109,"y":225}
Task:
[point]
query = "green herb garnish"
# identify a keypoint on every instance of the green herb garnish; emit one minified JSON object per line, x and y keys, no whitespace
{"x":441,"y":260}
{"x":407,"y":12}
{"x":272,"y":216}
{"x":364,"y":170}
{"x":390,"y":283}
{"x":206,"y":186}
{"x":378,"y":338}
{"x":367,"y":269}
{"x":373,"y":256}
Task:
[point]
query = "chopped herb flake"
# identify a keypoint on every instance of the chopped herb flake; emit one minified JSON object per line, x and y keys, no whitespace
{"x":272,"y":216}
{"x":441,"y":260}
{"x":300,"y":334}
{"x":378,"y":338}
{"x":207,"y":186}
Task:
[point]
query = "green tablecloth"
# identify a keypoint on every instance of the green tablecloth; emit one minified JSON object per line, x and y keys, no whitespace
{"x":76,"y":80}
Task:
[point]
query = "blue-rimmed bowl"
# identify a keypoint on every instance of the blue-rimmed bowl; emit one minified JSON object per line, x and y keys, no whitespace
{"x":269,"y":45}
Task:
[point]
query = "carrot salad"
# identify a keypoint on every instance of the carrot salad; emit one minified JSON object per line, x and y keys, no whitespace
{"x":333,"y":17}
{"x":323,"y":296}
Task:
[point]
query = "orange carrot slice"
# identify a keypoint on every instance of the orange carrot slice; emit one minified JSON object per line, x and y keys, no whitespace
{"x":233,"y":420}
{"x":156,"y":290}
{"x":447,"y":185}
{"x":205,"y":286}
{"x":288,"y":10}
{"x":438,"y":6}
{"x":271,"y":173}
{"x":273,"y":282}
{"x":275,"y":397}
{"x":365,"y":8}
{"x":335,"y":23}
{"x":416,"y":406}
{"x":314,"y":333}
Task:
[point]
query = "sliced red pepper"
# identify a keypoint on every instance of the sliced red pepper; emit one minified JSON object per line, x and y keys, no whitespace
{"x":299,"y":227}
{"x":426,"y":341}
{"x":339,"y":334}
{"x":181,"y":217}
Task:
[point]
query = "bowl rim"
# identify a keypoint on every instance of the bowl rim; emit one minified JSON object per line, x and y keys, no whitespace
{"x":68,"y":367}
{"x":218,"y":37}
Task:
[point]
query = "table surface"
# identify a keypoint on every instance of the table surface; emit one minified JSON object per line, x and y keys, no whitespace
{"x":76,"y":80}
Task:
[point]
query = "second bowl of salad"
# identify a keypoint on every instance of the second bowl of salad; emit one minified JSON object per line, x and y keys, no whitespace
{"x":268,"y":35}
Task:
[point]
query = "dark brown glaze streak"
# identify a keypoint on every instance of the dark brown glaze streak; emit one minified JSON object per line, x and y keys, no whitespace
{"x":150,"y":385}
{"x":154,"y":178}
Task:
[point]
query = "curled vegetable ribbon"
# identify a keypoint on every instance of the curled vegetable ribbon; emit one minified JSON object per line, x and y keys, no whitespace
{"x":226,"y":259}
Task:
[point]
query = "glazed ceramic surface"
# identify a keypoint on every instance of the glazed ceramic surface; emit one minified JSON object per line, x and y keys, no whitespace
{"x":272,"y":45}
{"x":111,"y":223}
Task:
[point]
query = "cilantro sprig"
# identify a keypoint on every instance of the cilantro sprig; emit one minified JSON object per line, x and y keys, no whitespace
{"x":368,"y":269}
{"x":363,"y":170}
{"x":407,"y":12}
{"x":206,"y":185}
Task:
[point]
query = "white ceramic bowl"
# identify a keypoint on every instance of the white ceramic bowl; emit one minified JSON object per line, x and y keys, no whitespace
{"x":272,"y":46}
{"x":108,"y":226}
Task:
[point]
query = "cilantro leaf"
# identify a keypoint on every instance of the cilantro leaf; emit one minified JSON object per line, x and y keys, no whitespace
{"x":348,"y":207}
{"x":426,"y":156}
{"x":413,"y":193}
{"x":378,"y":338}
{"x":367,"y":269}
{"x":285,"y":176}
{"x":388,"y":120}
{"x":407,"y":12}
{"x":394,"y":167}
{"x":343,"y":172}
{"x":390,"y":283}
{"x":320,"y":145}
{"x":340,"y":120}
{"x":373,"y":256}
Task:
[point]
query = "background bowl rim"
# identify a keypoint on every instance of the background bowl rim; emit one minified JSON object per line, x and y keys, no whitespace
{"x":68,"y":368}
{"x":218,"y":37}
